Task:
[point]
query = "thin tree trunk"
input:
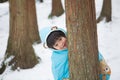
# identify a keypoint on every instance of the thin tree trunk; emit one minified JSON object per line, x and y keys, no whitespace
{"x":2,"y":1}
{"x":41,"y":1}
{"x":57,"y":8}
{"x":106,"y":11}
{"x":82,"y":40}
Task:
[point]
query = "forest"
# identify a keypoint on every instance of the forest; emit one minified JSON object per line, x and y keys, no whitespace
{"x":78,"y":17}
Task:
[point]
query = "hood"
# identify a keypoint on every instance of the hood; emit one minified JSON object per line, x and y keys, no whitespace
{"x":44,"y":33}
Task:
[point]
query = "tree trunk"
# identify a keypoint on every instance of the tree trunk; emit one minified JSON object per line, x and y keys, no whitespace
{"x":82,"y":40}
{"x":106,"y":11}
{"x":2,"y":1}
{"x":57,"y":8}
{"x":32,"y":19}
{"x":19,"y":41}
{"x":41,"y":1}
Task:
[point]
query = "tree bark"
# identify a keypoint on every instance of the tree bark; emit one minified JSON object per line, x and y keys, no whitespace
{"x":82,"y":40}
{"x":106,"y":11}
{"x":19,"y":42}
{"x":57,"y":8}
{"x":32,"y":19}
{"x":2,"y":1}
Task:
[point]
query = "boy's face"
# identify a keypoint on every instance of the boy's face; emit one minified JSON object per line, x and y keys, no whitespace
{"x":61,"y":43}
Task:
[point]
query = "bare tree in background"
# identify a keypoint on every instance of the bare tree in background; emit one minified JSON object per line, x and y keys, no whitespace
{"x":19,"y":42}
{"x":41,"y":1}
{"x":82,"y":40}
{"x":2,"y":1}
{"x":57,"y":8}
{"x":106,"y":11}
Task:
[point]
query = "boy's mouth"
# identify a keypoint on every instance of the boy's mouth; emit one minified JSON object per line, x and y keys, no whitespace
{"x":65,"y":45}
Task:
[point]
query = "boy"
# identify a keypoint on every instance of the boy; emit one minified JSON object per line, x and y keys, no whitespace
{"x":55,"y":39}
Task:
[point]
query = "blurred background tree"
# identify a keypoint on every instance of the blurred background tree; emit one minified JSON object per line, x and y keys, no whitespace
{"x":57,"y":9}
{"x":106,"y":11}
{"x":23,"y":33}
{"x":1,"y":1}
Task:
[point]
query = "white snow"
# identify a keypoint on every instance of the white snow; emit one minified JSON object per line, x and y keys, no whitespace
{"x":108,"y":41}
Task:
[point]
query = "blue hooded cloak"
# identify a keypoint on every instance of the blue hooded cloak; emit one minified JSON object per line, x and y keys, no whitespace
{"x":59,"y":58}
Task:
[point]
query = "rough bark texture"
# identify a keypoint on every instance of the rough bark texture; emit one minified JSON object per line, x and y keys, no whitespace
{"x":19,"y":42}
{"x":57,"y":8}
{"x":32,"y":19}
{"x":82,"y":40}
{"x":106,"y":11}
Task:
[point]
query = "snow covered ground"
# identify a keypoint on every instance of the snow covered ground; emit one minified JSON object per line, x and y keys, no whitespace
{"x":108,"y":41}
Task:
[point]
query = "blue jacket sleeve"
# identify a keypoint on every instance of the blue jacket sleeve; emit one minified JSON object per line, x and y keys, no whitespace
{"x":60,"y":64}
{"x":100,"y":57}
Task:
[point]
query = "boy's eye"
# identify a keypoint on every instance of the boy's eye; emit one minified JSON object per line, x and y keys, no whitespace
{"x":56,"y":44}
{"x":60,"y":39}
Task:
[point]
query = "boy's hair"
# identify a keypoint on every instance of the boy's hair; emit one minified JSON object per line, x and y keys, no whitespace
{"x":53,"y":37}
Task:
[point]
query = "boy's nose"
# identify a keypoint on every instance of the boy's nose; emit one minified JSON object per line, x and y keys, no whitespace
{"x":60,"y":43}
